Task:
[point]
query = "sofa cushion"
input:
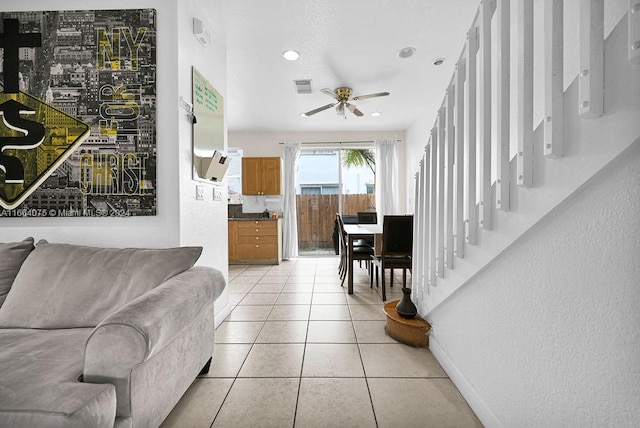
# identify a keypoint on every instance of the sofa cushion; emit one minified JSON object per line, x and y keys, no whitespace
{"x":38,"y":381}
{"x":12,"y":255}
{"x":70,"y":286}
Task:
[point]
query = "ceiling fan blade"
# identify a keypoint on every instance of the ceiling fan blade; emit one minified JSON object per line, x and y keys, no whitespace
{"x":353,"y":109}
{"x":319,"y":109}
{"x":329,"y":92}
{"x":364,"y":97}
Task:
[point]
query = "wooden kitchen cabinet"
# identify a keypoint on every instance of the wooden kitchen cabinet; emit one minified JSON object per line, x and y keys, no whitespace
{"x":261,"y":176}
{"x":255,"y":241}
{"x":233,"y":240}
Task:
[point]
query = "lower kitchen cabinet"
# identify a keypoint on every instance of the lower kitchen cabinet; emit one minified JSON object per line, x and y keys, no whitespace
{"x":255,"y":241}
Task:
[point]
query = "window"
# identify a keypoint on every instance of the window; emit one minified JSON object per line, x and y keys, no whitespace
{"x":319,"y":189}
{"x":234,"y":175}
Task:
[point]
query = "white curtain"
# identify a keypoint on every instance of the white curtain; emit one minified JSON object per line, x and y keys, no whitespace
{"x":387,"y":194}
{"x":290,"y":232}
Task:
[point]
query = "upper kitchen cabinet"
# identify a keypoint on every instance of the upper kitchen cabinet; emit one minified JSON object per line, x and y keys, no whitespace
{"x":261,"y":176}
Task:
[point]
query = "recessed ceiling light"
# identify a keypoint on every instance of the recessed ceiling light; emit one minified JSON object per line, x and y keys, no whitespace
{"x":438,"y":61}
{"x":291,"y":55}
{"x":376,"y":114}
{"x":406,"y":52}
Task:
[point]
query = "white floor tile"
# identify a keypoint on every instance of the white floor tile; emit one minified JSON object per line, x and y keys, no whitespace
{"x":372,"y":332}
{"x":431,"y":403}
{"x":238,"y":332}
{"x":199,"y":405}
{"x":253,"y":299}
{"x":398,"y":360}
{"x":289,"y":313}
{"x":249,"y":313}
{"x":332,"y":402}
{"x":227,"y":359}
{"x":328,"y":299}
{"x":332,"y":360}
{"x":273,"y":360}
{"x":265,"y":403}
{"x":330,"y":313}
{"x":368,"y":312}
{"x":331,"y":332}
{"x":283,"y":332}
{"x":294,"y":299}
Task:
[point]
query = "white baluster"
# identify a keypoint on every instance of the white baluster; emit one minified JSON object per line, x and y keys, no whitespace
{"x":448,"y":186}
{"x":503,"y":98}
{"x":484,"y":99}
{"x":471,"y":215}
{"x":634,"y":32}
{"x":553,"y":85}
{"x":433,"y":169}
{"x":426,"y":242}
{"x":458,"y":208}
{"x":591,"y":80}
{"x":417,"y":261}
{"x":440,"y":199}
{"x":524,"y":161}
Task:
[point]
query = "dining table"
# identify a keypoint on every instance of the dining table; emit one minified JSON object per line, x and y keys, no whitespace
{"x":354,"y":232}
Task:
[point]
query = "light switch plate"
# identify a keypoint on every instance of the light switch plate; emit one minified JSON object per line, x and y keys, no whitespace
{"x":217,"y":194}
{"x":199,"y":193}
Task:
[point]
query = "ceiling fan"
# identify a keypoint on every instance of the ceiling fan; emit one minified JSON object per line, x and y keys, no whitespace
{"x":342,"y":96}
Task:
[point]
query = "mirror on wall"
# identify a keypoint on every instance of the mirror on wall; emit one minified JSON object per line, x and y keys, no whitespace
{"x":208,"y":130}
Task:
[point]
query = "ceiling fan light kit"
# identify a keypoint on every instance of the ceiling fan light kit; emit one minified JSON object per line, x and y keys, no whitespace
{"x":343,"y":95}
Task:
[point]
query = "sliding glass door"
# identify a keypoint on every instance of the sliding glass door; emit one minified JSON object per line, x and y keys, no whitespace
{"x":330,"y":181}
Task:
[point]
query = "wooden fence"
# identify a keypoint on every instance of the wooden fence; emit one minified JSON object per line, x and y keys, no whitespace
{"x":317,"y":213}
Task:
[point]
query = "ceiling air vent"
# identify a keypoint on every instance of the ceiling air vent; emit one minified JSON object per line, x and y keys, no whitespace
{"x":303,"y":86}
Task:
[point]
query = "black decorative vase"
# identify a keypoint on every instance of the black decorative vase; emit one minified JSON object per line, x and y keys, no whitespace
{"x":405,"y":307}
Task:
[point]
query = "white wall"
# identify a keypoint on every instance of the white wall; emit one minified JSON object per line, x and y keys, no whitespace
{"x":161,"y":230}
{"x":549,"y":334}
{"x":202,"y":223}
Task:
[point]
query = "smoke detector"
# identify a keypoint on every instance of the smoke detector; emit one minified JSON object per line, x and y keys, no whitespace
{"x":406,"y":52}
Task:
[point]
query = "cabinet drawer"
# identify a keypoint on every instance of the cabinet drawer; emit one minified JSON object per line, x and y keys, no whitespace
{"x":257,"y":251}
{"x":266,"y":224}
{"x":262,"y":228}
{"x":257,"y":239}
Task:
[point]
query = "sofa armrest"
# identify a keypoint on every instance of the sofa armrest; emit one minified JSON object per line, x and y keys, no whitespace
{"x":143,"y":327}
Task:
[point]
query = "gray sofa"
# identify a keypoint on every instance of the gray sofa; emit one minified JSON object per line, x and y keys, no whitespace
{"x":101,"y":337}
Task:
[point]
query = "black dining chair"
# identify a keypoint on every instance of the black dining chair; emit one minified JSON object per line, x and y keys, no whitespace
{"x":396,"y":248}
{"x":361,"y":251}
{"x":368,"y":217}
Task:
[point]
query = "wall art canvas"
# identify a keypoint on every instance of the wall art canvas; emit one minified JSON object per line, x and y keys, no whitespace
{"x":78,"y":108}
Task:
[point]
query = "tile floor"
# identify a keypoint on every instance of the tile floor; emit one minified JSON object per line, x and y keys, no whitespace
{"x":298,"y":351}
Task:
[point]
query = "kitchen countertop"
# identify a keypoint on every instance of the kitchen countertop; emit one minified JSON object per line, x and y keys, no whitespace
{"x":252,"y":218}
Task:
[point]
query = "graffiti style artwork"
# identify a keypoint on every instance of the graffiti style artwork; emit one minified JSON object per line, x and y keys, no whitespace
{"x":78,"y":109}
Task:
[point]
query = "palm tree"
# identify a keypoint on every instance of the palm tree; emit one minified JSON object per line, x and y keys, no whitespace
{"x":359,"y":157}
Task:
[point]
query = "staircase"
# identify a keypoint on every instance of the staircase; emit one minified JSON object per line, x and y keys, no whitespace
{"x":488,"y":175}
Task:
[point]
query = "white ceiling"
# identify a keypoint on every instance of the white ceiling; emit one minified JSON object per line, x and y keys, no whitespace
{"x":342,"y":43}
